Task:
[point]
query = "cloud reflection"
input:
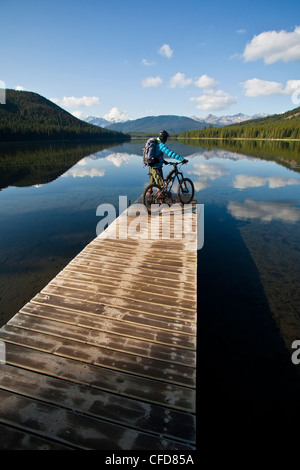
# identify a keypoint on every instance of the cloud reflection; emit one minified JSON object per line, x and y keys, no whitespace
{"x":250,"y":181}
{"x":82,"y":172}
{"x":92,"y":165}
{"x":118,"y":158}
{"x":205,"y":171}
{"x":264,"y":210}
{"x":223,"y":155}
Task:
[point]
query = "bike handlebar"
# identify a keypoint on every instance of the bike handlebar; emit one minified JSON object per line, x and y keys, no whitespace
{"x":175,"y":163}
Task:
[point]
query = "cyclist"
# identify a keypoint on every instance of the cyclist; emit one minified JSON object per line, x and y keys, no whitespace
{"x":155,"y":172}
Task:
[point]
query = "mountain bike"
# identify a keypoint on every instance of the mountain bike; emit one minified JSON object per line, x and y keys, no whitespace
{"x":158,"y":195}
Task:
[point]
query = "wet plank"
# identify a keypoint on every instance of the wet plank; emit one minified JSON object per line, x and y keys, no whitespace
{"x":16,"y":439}
{"x":74,"y":429}
{"x":40,"y":337}
{"x":139,"y":415}
{"x":131,"y":386}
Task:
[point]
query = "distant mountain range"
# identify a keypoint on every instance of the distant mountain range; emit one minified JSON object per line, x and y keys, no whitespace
{"x":172,"y":123}
{"x":98,"y":121}
{"x":218,"y":121}
{"x":151,"y":124}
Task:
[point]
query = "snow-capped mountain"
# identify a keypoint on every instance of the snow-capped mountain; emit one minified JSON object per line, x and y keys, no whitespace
{"x":170,"y":122}
{"x":97,"y":121}
{"x":226,"y":120}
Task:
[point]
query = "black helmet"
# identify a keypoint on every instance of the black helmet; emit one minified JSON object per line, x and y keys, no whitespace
{"x":163,"y":135}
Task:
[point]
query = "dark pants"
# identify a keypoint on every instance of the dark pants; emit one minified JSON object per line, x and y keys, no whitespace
{"x":155,"y":176}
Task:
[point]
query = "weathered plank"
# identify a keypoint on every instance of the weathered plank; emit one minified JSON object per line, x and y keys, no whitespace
{"x":147,"y":417}
{"x":74,"y":429}
{"x":119,"y":327}
{"x":138,"y":387}
{"x":100,"y":298}
{"x":160,"y":298}
{"x":131,"y":283}
{"x":16,"y":439}
{"x":37,"y":337}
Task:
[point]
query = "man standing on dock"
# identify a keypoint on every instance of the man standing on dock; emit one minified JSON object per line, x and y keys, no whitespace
{"x":155,"y":172}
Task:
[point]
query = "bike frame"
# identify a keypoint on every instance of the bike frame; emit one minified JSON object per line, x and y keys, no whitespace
{"x":170,"y":178}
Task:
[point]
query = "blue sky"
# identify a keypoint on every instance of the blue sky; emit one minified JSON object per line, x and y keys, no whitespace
{"x":129,"y":59}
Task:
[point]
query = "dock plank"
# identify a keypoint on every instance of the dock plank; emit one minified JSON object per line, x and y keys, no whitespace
{"x":40,"y":338}
{"x":74,"y":429}
{"x":134,"y":414}
{"x":131,"y":386}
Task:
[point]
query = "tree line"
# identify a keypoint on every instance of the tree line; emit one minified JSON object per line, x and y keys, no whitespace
{"x":285,"y":126}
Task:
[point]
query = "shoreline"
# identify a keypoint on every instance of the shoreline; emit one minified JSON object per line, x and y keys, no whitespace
{"x":237,"y":138}
{"x":63,"y":141}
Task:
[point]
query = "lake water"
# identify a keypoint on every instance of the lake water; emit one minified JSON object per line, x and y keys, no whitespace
{"x":248,"y":268}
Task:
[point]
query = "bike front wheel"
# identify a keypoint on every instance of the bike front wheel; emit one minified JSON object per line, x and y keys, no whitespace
{"x":185,"y":191}
{"x":152,"y":197}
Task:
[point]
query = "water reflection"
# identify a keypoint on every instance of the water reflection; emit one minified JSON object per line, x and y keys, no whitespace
{"x":94,"y":165}
{"x":284,"y":153}
{"x":39,"y":164}
{"x":264,"y":210}
{"x":205,"y":172}
{"x":252,"y":181}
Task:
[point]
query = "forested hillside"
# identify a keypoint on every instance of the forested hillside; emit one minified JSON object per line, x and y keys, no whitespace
{"x":277,"y":126}
{"x":27,"y":116}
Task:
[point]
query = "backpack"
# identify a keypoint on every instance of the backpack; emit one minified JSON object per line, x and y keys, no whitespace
{"x":149,"y":152}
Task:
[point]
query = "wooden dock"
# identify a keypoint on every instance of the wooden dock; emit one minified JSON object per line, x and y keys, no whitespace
{"x":104,"y":357}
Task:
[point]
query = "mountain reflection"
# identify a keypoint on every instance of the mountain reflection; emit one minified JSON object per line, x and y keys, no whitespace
{"x":31,"y":165}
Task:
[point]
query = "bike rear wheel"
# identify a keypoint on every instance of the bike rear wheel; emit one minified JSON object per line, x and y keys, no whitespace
{"x":151,"y":198}
{"x":185,"y":191}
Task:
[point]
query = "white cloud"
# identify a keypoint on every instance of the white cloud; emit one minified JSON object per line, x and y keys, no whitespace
{"x":273,"y":46}
{"x":79,"y":114}
{"x":265,"y":211}
{"x":257,"y":88}
{"x":166,"y":51}
{"x":214,"y":101}
{"x":74,"y":102}
{"x":206,"y":82}
{"x":19,"y":88}
{"x":241,"y":31}
{"x":180,"y":80}
{"x":151,"y":82}
{"x":115,"y":115}
{"x":147,"y":63}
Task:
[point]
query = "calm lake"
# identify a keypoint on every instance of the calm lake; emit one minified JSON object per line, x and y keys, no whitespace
{"x":248,"y":268}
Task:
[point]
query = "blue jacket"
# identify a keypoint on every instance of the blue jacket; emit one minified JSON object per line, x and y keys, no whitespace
{"x":161,"y":150}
